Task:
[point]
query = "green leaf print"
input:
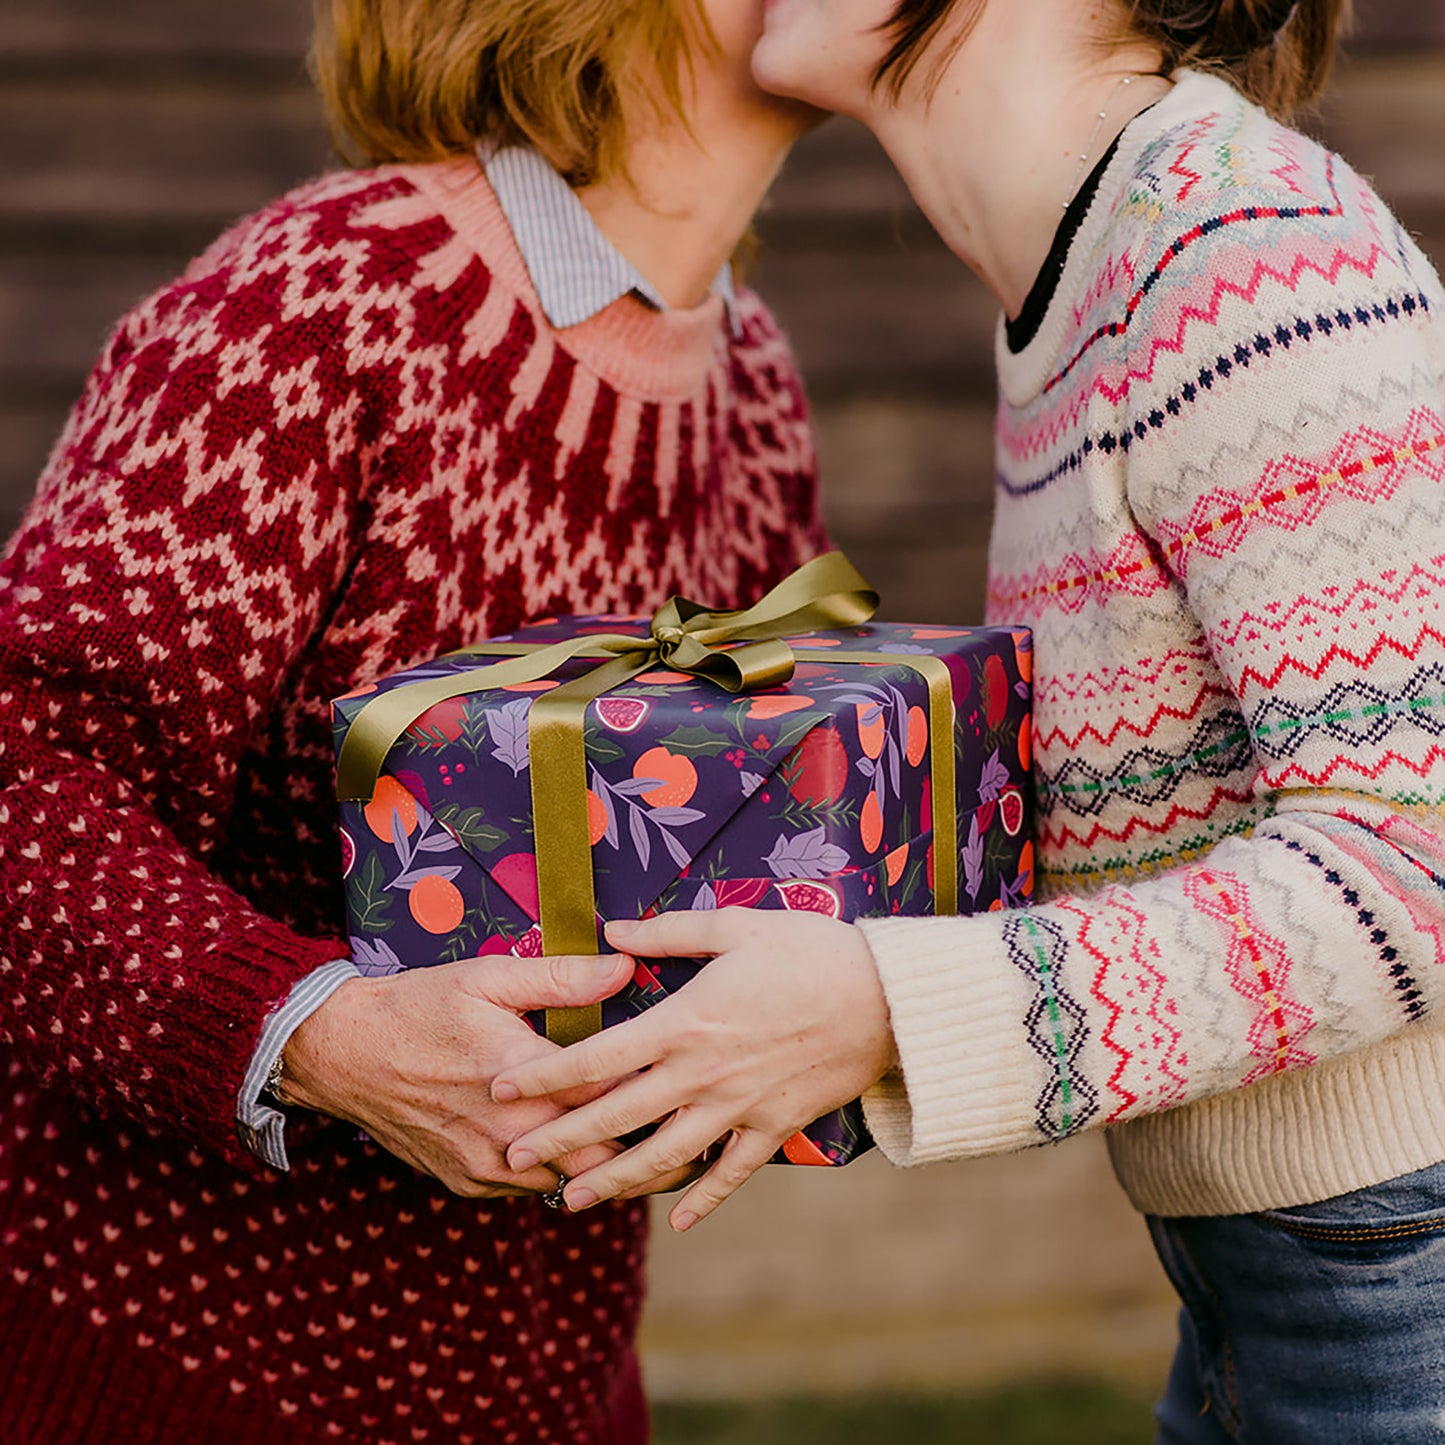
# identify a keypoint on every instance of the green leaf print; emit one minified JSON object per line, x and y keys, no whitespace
{"x":370,"y":902}
{"x":470,"y":826}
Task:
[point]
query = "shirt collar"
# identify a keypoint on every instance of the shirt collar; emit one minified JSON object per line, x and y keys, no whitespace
{"x":577,"y":271}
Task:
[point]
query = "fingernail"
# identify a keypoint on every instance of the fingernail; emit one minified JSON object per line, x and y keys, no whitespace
{"x":606,"y":965}
{"x":521,"y":1160}
{"x":504,"y":1091}
{"x":621,"y":929}
{"x":683,"y":1221}
{"x":580,"y":1198}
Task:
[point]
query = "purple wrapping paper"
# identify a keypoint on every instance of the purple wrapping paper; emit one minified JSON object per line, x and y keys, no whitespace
{"x":816,"y":796}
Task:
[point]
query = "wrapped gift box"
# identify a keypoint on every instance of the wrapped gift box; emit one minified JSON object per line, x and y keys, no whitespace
{"x":819,"y":795}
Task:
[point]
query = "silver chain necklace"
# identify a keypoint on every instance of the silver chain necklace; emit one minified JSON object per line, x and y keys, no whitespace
{"x":1123,"y":85}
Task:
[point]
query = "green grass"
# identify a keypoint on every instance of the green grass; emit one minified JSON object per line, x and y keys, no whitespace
{"x":1044,"y":1414}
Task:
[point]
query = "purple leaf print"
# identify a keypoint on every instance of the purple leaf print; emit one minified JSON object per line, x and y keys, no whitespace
{"x":704,"y":899}
{"x":900,"y":737}
{"x":409,"y":879}
{"x":808,"y":855}
{"x":509,"y":731}
{"x":674,"y":846}
{"x":973,"y":860}
{"x":373,"y":957}
{"x":992,"y":780}
{"x":603,"y":791}
{"x":666,"y":817}
{"x":635,"y":787}
{"x":637,"y":826}
{"x":751,"y":782}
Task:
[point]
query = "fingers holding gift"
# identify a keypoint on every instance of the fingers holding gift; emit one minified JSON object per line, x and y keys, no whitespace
{"x":743,"y":1155}
{"x":687,"y":933}
{"x":631,"y":1105}
{"x":672,"y":1155}
{"x":589,"y":1065}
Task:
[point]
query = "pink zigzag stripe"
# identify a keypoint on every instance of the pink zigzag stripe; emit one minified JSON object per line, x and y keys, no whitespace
{"x":1197,"y":134}
{"x":1140,"y":727}
{"x":1340,"y":766}
{"x":1113,"y":383}
{"x":1258,"y":966}
{"x":1147,"y":1071}
{"x":1354,"y":660}
{"x":1181,"y":247}
{"x":1387,"y":589}
{"x":1103,"y":683}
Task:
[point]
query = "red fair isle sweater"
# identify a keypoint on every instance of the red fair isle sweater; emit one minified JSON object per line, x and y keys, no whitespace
{"x":345,"y":440}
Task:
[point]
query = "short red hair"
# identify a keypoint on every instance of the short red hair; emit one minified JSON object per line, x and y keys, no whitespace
{"x":419,"y":80}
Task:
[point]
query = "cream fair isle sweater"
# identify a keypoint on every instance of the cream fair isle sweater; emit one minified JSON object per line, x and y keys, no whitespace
{"x":1219,"y":506}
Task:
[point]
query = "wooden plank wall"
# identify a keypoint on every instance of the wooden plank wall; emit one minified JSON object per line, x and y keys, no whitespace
{"x":135,"y":132}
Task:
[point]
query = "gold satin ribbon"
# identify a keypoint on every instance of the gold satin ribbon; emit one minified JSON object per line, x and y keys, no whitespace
{"x":741,"y":651}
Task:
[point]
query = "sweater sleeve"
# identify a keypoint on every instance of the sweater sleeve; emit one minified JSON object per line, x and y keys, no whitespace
{"x":1299,"y":525}
{"x":184,"y":545}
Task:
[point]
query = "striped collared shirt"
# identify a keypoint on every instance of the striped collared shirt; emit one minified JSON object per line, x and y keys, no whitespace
{"x":577,"y":271}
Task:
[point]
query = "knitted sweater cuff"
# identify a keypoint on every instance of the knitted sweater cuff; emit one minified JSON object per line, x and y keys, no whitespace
{"x":964,"y":1075}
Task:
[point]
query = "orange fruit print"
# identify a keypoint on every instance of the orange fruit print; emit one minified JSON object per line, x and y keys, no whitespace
{"x":801,"y":1150}
{"x":766,"y":707}
{"x":870,"y":734}
{"x":596,"y":818}
{"x":387,"y":798}
{"x":675,"y":774}
{"x":870,"y":824}
{"x":895,"y":862}
{"x":917,"y":736}
{"x":436,"y":904}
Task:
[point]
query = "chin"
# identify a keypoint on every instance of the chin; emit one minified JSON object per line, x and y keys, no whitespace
{"x":823,"y":63}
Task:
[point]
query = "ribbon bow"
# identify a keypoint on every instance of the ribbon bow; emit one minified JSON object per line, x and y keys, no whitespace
{"x":741,"y":651}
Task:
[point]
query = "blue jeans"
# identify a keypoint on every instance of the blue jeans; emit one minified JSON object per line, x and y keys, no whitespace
{"x":1321,"y":1325}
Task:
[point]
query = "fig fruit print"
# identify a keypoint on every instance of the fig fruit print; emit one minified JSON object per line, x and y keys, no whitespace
{"x":814,"y":797}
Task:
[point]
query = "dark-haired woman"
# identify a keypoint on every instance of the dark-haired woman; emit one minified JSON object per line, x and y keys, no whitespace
{"x":1221,"y":449}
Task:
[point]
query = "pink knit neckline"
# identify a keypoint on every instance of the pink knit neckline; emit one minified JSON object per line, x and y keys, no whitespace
{"x":652,"y":355}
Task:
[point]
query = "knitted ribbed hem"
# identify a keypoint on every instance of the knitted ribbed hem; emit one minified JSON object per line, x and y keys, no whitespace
{"x":955,"y":1008}
{"x":644,"y":353}
{"x":66,"y":1379}
{"x":1294,"y":1139}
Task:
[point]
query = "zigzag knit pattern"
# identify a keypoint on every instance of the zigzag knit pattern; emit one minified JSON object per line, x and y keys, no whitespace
{"x":344,"y":441}
{"x":1220,"y":507}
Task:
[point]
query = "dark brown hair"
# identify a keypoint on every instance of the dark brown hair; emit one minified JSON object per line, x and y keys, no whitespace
{"x":1277,"y":52}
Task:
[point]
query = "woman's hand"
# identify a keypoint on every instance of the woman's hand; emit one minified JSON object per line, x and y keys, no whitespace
{"x":787,"y":1022}
{"x":411,"y":1057}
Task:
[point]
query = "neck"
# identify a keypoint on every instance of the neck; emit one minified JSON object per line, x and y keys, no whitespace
{"x":1029,"y":113}
{"x":688,"y":193}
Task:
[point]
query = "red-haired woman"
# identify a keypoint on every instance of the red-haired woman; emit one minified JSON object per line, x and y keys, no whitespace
{"x":1221,"y":448}
{"x":498,"y":370}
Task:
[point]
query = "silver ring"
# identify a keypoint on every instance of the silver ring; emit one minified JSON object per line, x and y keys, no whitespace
{"x":553,"y":1199}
